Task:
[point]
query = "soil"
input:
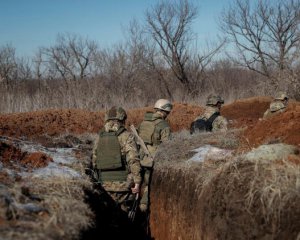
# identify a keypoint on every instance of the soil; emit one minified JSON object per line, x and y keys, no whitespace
{"x":12,"y":156}
{"x":242,"y":114}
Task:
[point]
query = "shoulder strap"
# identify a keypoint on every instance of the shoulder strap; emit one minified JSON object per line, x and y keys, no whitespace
{"x":121,"y":129}
{"x":212,"y":119}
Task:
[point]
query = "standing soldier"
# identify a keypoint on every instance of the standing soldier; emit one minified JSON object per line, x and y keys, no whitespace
{"x":153,"y":130}
{"x":278,"y":105}
{"x":115,"y":159}
{"x":210,"y":120}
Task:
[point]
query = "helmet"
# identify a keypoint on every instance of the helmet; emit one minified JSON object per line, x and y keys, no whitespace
{"x":214,"y":100}
{"x":281,"y":96}
{"x":163,"y":104}
{"x":115,"y":113}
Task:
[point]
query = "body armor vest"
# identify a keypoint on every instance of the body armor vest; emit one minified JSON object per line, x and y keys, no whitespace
{"x":109,"y":159}
{"x":150,"y":129}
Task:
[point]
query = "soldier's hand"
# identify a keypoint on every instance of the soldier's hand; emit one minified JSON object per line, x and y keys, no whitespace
{"x":136,"y":188}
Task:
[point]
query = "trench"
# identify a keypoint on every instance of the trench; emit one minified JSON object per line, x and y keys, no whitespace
{"x":189,"y":200}
{"x":110,"y":222}
{"x":173,"y":214}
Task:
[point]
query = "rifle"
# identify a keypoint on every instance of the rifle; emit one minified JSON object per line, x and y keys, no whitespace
{"x":141,"y":142}
{"x":132,"y":212}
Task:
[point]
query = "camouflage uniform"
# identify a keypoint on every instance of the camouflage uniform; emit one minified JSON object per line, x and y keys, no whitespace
{"x":120,"y":191}
{"x":220,"y":123}
{"x":162,"y":133}
{"x":278,"y":105}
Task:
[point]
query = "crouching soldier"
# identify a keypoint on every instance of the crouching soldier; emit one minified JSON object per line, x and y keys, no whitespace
{"x":211,"y":119}
{"x":278,"y":105}
{"x":115,"y":159}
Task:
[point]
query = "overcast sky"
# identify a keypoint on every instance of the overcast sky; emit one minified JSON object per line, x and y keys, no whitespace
{"x":29,"y":24}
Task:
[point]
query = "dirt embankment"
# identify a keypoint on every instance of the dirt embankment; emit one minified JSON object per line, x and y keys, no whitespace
{"x":11,"y":154}
{"x":243,"y":113}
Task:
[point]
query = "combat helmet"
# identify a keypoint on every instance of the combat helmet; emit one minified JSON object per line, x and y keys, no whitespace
{"x":281,"y":96}
{"x":116,"y":113}
{"x":214,"y":100}
{"x":163,"y":104}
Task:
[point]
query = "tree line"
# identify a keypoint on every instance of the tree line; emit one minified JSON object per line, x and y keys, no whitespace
{"x":257,"y":54}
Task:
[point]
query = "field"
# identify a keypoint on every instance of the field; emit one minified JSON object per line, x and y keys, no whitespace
{"x":245,"y":187}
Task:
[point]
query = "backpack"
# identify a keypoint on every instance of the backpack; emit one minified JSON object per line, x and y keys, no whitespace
{"x":202,"y":125}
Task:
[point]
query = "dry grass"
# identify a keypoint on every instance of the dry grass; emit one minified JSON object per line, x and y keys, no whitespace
{"x":64,"y":212}
{"x":222,"y":198}
{"x":277,"y":192}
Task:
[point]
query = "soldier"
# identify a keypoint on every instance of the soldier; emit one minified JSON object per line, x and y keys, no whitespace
{"x":210,"y":120}
{"x":153,"y":130}
{"x":115,"y":159}
{"x":278,"y":105}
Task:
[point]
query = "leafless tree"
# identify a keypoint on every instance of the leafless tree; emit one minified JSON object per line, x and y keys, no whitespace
{"x":266,"y":36}
{"x":169,"y":24}
{"x":8,"y":64}
{"x":148,"y":60}
{"x":24,"y":68}
{"x":71,"y":56}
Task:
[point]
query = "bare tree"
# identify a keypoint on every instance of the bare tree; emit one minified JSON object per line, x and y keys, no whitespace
{"x":71,"y":56}
{"x":148,"y":59}
{"x":24,"y":68}
{"x":169,"y":24}
{"x":8,"y":64}
{"x":266,"y":36}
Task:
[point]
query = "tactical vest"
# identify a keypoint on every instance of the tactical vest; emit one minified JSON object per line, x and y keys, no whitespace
{"x":201,"y":125}
{"x":109,"y":159}
{"x":151,"y":128}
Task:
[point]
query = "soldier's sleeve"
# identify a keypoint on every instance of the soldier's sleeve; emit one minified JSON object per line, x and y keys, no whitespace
{"x":224,"y":124}
{"x":165,"y":134}
{"x":94,"y":155}
{"x":220,"y":124}
{"x":132,"y":158}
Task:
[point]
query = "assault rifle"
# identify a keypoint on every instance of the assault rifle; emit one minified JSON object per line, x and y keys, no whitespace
{"x":141,"y":142}
{"x":133,"y":210}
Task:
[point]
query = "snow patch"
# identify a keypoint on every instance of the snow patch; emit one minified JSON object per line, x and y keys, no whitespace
{"x":55,"y":170}
{"x":209,"y":152}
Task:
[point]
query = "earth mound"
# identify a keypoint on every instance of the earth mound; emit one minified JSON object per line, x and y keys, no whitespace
{"x":244,"y":114}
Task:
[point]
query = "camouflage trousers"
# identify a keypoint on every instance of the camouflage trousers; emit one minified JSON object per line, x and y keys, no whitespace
{"x":122,"y":199}
{"x":119,"y":192}
{"x":145,"y":186}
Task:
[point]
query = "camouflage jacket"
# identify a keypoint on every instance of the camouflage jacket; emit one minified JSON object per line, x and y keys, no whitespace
{"x":219,"y":124}
{"x":129,"y":150}
{"x":275,"y":108}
